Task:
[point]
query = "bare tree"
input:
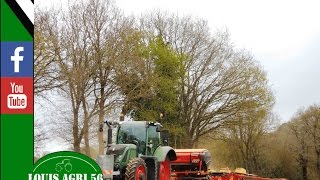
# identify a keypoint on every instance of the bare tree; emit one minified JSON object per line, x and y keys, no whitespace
{"x":40,"y":136}
{"x":106,"y":26}
{"x":45,"y":68}
{"x":218,"y":82}
{"x":45,"y":71}
{"x":246,"y":133}
{"x":305,"y":127}
{"x":70,"y":45}
{"x":87,"y":40}
{"x":302,"y":150}
{"x":311,"y":120}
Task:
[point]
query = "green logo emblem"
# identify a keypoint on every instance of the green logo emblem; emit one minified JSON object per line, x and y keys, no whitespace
{"x":66,"y":166}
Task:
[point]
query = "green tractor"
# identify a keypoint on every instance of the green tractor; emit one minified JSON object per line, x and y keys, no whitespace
{"x":137,"y":150}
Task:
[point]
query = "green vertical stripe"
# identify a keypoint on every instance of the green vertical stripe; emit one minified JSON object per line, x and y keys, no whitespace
{"x":16,"y":146}
{"x":16,"y":129}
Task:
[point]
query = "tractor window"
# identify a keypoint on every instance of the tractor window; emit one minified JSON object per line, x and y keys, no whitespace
{"x":153,"y":138}
{"x":133,"y":134}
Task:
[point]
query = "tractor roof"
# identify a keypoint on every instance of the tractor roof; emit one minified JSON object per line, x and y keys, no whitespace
{"x":138,"y":123}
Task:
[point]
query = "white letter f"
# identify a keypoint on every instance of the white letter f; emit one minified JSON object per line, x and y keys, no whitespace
{"x":16,"y":58}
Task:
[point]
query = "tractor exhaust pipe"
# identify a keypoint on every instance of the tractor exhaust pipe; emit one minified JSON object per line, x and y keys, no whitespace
{"x":109,"y":132}
{"x":109,"y":141}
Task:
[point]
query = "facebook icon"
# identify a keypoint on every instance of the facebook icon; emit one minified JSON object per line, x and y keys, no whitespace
{"x":16,"y":59}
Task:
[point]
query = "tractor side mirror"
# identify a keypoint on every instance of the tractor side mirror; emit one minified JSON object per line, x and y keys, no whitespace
{"x":165,"y":137}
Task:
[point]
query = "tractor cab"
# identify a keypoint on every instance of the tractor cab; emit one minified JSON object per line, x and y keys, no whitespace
{"x":145,"y":135}
{"x":137,"y":150}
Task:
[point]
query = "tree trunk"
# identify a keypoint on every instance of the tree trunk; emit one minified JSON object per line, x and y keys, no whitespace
{"x":187,"y":141}
{"x":304,"y":167}
{"x":76,"y":145}
{"x":318,"y":162}
{"x":101,"y":120}
{"x":86,"y":127}
{"x":75,"y":133}
{"x":86,"y":139}
{"x":304,"y":172}
{"x":195,"y":144}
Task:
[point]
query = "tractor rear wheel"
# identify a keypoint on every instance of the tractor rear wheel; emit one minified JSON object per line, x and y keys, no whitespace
{"x":136,"y":170}
{"x":165,"y":170}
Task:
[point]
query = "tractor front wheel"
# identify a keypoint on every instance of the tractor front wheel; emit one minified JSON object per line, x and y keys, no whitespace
{"x":165,"y":170}
{"x":136,"y":170}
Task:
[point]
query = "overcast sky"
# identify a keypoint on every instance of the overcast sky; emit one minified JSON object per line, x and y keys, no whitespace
{"x":284,"y":35}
